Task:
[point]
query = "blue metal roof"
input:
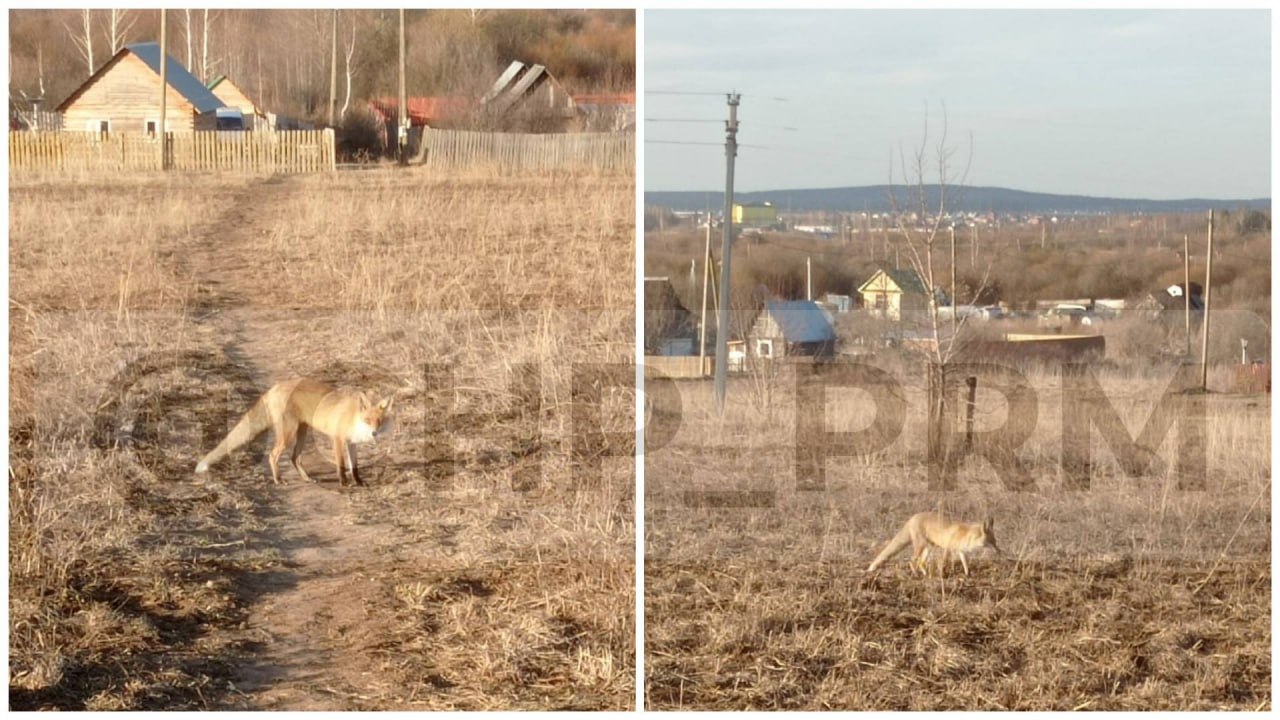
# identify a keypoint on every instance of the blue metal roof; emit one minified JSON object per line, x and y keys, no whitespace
{"x":177,"y":76}
{"x":801,"y":321}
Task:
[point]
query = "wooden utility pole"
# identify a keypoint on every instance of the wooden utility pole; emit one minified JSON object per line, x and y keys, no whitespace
{"x":1204,"y":342}
{"x":402,"y":123}
{"x":164,"y":87}
{"x":702,"y":323}
{"x":1186,"y":294}
{"x":333,"y":68}
{"x":953,"y":283}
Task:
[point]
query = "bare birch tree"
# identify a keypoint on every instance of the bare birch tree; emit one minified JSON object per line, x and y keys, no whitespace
{"x":349,"y":51}
{"x":82,"y":37}
{"x":186,"y":32}
{"x":119,"y":23}
{"x":207,"y":66}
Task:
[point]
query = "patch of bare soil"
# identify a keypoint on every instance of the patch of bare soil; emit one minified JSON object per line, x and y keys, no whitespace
{"x":309,"y":634}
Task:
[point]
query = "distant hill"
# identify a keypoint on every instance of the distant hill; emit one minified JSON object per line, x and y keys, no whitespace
{"x":875,"y":198}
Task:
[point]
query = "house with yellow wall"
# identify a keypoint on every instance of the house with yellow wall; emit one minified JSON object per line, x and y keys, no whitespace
{"x":895,"y":294}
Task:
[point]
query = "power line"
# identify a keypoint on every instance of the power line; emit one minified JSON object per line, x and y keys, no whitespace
{"x":692,"y":142}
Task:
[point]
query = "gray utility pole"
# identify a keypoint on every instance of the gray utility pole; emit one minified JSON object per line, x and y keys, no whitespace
{"x":402,"y":124}
{"x":164,"y":87}
{"x":1204,"y":341}
{"x":722,"y":321}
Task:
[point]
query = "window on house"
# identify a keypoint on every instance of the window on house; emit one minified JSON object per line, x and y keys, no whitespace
{"x":764,"y":348}
{"x":98,"y":129}
{"x":882,"y":302}
{"x":152,"y":127}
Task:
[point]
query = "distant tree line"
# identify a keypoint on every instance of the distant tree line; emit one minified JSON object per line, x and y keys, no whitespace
{"x":281,"y":58}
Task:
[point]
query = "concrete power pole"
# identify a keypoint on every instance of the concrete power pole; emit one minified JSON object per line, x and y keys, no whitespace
{"x":722,"y":321}
{"x":164,"y":87}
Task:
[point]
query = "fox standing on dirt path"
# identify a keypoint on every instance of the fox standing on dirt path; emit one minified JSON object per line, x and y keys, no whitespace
{"x":930,"y":529}
{"x":294,"y":407}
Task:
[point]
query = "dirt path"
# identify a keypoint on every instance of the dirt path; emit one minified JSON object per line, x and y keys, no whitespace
{"x":311,"y":642}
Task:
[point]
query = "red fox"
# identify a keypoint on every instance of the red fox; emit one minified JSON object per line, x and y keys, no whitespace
{"x":928,"y":530}
{"x":294,"y":407}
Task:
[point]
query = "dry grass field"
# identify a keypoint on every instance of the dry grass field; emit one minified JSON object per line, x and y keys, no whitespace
{"x":488,"y":564}
{"x":1131,"y":594}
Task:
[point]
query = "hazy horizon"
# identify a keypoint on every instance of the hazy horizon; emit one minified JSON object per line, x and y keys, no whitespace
{"x":1141,"y":104}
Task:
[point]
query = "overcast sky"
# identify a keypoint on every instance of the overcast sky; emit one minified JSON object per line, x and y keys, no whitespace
{"x":1160,"y":104}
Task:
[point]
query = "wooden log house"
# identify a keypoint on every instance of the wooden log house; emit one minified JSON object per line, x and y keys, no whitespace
{"x":124,"y":96}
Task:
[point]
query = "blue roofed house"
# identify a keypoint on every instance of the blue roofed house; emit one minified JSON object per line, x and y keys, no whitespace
{"x":789,"y":328}
{"x":124,"y":96}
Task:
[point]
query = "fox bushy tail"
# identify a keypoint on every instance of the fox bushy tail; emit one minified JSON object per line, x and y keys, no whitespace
{"x":254,"y":423}
{"x":895,"y":546}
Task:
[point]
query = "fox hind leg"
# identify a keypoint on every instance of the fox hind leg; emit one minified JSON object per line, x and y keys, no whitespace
{"x":297,"y":451}
{"x":919,"y":556}
{"x":284,"y":436}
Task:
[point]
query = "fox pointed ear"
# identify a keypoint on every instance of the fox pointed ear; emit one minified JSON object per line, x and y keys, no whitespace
{"x":386,"y":404}
{"x":988,"y":524}
{"x":364,"y":400}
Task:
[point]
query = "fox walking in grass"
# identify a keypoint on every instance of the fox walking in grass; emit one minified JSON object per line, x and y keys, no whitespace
{"x":928,"y":530}
{"x":294,"y":407}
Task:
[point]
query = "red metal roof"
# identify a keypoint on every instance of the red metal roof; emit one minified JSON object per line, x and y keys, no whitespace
{"x":425,"y":110}
{"x":605,"y":98}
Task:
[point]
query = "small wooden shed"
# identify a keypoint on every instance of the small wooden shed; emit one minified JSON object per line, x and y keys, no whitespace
{"x":232,"y":96}
{"x":124,"y":96}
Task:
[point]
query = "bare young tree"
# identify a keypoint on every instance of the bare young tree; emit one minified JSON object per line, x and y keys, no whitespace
{"x":923,"y":225}
{"x":119,"y":23}
{"x":82,"y":36}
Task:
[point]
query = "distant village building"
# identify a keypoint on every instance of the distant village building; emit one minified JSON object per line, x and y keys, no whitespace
{"x":123,"y":96}
{"x":895,"y":295}
{"x":754,"y":215}
{"x":1170,"y":301}
{"x":788,"y":328}
{"x":669,"y":327}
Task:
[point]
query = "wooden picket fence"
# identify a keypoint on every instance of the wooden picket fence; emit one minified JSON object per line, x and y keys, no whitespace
{"x":294,"y":151}
{"x":512,"y":152}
